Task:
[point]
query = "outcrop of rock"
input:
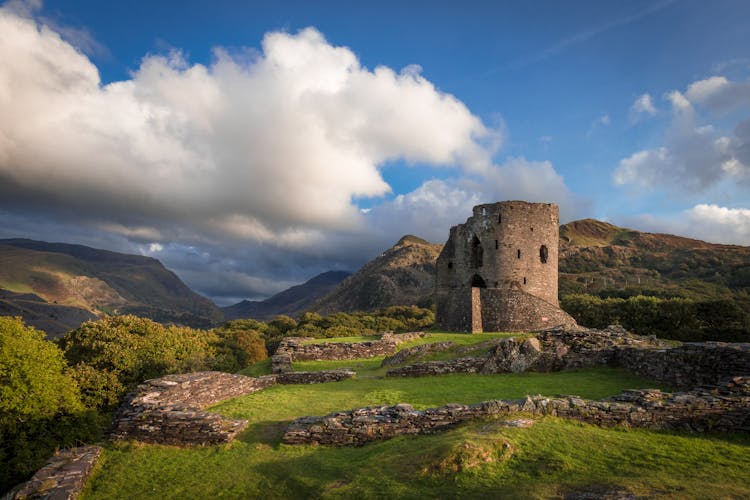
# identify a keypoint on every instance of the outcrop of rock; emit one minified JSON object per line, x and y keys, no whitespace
{"x":63,"y":476}
{"x":551,"y":350}
{"x":724,"y":407}
{"x":403,"y":275}
{"x":169,"y":410}
{"x":301,"y":349}
{"x":416,"y":352}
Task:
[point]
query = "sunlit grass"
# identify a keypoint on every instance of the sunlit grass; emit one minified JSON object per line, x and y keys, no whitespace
{"x":547,"y":460}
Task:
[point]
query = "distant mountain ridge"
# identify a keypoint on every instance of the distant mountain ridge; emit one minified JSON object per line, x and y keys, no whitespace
{"x":595,"y":257}
{"x":97,"y":281}
{"x":402,"y":275}
{"x":292,"y":301}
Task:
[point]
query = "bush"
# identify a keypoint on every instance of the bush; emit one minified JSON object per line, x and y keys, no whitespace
{"x":672,"y":318}
{"x":40,"y":405}
{"x":244,"y":346}
{"x":125,"y":350}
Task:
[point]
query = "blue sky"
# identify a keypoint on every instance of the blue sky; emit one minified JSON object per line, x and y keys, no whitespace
{"x":193,"y":132}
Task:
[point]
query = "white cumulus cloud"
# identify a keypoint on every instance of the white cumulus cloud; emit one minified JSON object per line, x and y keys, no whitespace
{"x":642,"y":105}
{"x":273,"y":149}
{"x":707,"y":222}
{"x":694,"y":155}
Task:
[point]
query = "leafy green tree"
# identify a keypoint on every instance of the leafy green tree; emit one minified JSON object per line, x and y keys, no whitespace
{"x":40,"y":405}
{"x":244,"y":345}
{"x":126,"y":350}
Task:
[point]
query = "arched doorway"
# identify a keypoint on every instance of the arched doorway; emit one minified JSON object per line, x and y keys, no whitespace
{"x":478,"y":282}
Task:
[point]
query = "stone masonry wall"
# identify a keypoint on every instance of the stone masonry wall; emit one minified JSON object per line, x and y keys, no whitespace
{"x":169,"y":410}
{"x":300,"y":348}
{"x":688,"y":365}
{"x":724,"y":407}
{"x":504,"y":247}
{"x":551,"y":350}
{"x":63,"y":476}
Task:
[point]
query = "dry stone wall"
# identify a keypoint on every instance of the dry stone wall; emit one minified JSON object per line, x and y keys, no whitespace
{"x":169,"y":410}
{"x":63,"y":476}
{"x":416,"y":352}
{"x":551,"y":350}
{"x":688,"y":365}
{"x":723,"y":407}
{"x":301,"y":349}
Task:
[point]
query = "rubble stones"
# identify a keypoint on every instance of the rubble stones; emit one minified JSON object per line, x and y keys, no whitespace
{"x":314,"y":377}
{"x":63,"y":476}
{"x":722,"y":407}
{"x":169,"y":410}
{"x":416,"y":352}
{"x":688,"y":365}
{"x":281,"y":363}
{"x":551,"y":350}
{"x":300,"y":348}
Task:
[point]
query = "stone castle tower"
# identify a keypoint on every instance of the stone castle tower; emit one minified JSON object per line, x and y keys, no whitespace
{"x":498,"y":271}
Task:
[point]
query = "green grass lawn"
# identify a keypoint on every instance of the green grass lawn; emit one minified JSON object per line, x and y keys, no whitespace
{"x":476,"y":460}
{"x":371,"y":367}
{"x":481,"y":459}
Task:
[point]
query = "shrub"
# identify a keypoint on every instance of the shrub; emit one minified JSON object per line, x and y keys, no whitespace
{"x":673,"y":318}
{"x":40,"y":405}
{"x":244,"y":345}
{"x":130,"y":349}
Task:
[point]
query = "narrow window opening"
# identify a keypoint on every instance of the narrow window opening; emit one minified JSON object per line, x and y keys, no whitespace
{"x":524,"y":281}
{"x":532,"y":229}
{"x":518,"y":253}
{"x":484,"y":211}
{"x":543,"y":254}
{"x":499,"y":218}
{"x":477,"y":253}
{"x":496,"y":245}
{"x":450,"y":265}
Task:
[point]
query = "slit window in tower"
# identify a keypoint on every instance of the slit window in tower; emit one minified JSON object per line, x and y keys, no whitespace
{"x":543,"y":254}
{"x":477,"y":253}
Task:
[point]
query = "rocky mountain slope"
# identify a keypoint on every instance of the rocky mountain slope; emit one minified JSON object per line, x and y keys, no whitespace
{"x":291,"y":301}
{"x":595,"y":257}
{"x":402,"y":275}
{"x":95,"y":281}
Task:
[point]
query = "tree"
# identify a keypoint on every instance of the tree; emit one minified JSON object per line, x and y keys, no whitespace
{"x":40,"y":405}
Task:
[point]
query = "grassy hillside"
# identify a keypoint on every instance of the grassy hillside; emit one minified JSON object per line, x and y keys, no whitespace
{"x":100,"y":281}
{"x":476,"y":460}
{"x":603,"y":259}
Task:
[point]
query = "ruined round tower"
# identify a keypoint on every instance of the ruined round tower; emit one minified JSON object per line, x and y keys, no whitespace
{"x":498,"y":271}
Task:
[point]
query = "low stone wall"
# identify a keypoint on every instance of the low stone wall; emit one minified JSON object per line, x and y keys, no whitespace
{"x":688,"y":365}
{"x":281,"y":363}
{"x":169,"y":410}
{"x":551,"y":350}
{"x":300,"y":348}
{"x":724,"y":408}
{"x":417,"y":351}
{"x":63,"y":476}
{"x":314,"y":377}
